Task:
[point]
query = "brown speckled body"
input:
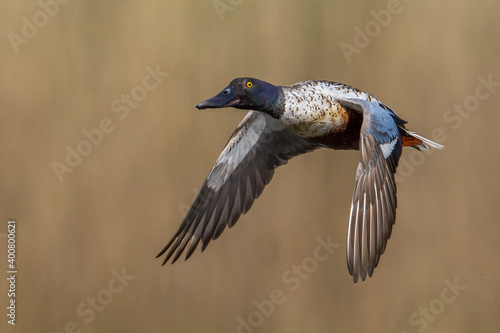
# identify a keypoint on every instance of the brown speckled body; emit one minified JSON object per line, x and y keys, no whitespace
{"x":312,"y":110}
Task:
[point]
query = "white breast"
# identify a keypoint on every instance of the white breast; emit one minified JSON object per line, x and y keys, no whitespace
{"x":312,"y":109}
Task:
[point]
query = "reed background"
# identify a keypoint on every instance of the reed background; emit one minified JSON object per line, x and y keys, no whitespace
{"x":120,"y":206}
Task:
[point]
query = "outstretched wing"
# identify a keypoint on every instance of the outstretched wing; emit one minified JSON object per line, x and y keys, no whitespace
{"x":258,"y":146}
{"x":373,"y":209}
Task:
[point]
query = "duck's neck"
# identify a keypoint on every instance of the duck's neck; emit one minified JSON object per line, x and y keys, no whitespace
{"x":275,"y":106}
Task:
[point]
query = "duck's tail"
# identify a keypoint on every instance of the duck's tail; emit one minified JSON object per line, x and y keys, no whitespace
{"x":416,"y":141}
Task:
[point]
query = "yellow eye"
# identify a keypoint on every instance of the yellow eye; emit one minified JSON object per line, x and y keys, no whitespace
{"x":249,"y":84}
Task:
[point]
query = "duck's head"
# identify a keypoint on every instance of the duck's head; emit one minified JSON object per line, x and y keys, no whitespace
{"x":245,"y":93}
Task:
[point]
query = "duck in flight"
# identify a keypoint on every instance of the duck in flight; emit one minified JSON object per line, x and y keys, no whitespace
{"x":286,"y":121}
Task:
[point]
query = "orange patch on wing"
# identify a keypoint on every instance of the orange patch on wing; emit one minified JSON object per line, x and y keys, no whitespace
{"x":410,"y":141}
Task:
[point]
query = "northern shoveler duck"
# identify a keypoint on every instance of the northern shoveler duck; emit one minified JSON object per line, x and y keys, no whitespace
{"x":286,"y":121}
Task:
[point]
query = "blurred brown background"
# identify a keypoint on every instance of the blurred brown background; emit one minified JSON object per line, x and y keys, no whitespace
{"x":115,"y":210}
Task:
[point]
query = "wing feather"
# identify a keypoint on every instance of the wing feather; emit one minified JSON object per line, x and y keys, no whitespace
{"x":246,"y":165}
{"x":373,"y":209}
